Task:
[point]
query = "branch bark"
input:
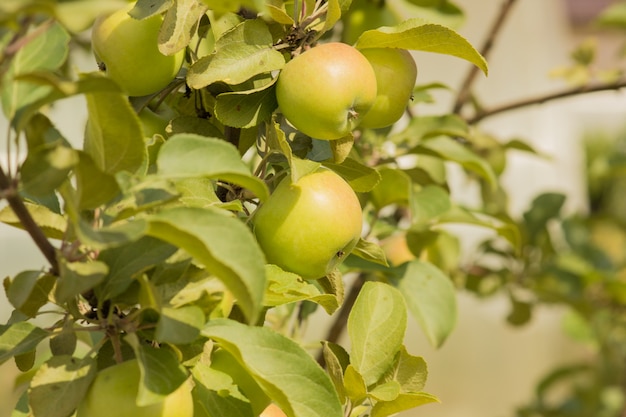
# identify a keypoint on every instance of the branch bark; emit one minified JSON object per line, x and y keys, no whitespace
{"x":466,"y":87}
{"x":483,"y":114}
{"x":8,"y":190}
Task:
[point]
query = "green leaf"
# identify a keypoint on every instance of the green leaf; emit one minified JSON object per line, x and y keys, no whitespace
{"x":46,"y":168}
{"x":452,"y":150}
{"x":387,"y":391}
{"x":361,"y":178}
{"x":216,"y":395}
{"x":402,"y":403}
{"x":78,"y":277}
{"x":178,"y":25}
{"x":179,"y":325}
{"x":376,"y":327}
{"x":114,"y":138}
{"x":543,"y":208}
{"x":428,"y":203}
{"x":78,"y":15}
{"x":241,"y":53}
{"x":125,"y":264}
{"x":277,"y":141}
{"x":336,"y":360}
{"x":19,"y":338}
{"x":355,"y":386}
{"x":426,"y":127}
{"x":28,"y":291}
{"x":60,"y":384}
{"x":285,"y":371}
{"x":430,"y":297}
{"x":161,"y":371}
{"x":223,"y":244}
{"x":370,"y":251}
{"x":94,"y":187}
{"x":188,"y":155}
{"x":504,"y":227}
{"x":52,"y":224}
{"x":393,"y":188}
{"x":285,"y":287}
{"x":46,"y":51}
{"x":409,"y":371}
{"x":246,"y":108}
{"x":419,"y":35}
{"x":143,"y":9}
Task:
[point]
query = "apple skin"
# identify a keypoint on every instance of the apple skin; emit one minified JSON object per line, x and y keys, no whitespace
{"x":396,"y":249}
{"x":365,"y":15}
{"x":395,"y":72}
{"x":325,"y":91}
{"x":128,"y":48}
{"x":272,"y":410}
{"x":309,"y":227}
{"x":114,"y":393}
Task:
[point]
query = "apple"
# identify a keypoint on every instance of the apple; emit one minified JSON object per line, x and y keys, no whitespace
{"x":365,"y":15}
{"x":396,"y":249}
{"x":309,"y":227}
{"x":325,"y":91}
{"x":127,"y":49}
{"x":114,"y":393}
{"x":272,"y":410}
{"x":395,"y":72}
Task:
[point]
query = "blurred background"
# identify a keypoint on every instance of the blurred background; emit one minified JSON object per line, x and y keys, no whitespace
{"x":487,"y":368}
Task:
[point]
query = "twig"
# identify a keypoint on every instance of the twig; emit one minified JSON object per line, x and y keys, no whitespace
{"x":483,"y":114}
{"x":466,"y":86}
{"x":9,"y":191}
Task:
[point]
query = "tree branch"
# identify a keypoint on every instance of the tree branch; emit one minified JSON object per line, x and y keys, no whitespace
{"x":466,"y":87}
{"x":8,"y":190}
{"x":483,"y":114}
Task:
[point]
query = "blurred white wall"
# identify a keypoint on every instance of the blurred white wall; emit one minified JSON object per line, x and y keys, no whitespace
{"x":486,"y":368}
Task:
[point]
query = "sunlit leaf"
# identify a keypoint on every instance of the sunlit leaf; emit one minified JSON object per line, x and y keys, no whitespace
{"x":188,"y":156}
{"x":430,"y":297}
{"x":420,"y":35}
{"x":60,"y":384}
{"x":285,"y":371}
{"x":19,"y":338}
{"x":223,"y":244}
{"x":376,"y":327}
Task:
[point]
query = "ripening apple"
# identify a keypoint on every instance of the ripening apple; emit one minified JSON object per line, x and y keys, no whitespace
{"x":128,"y":51}
{"x":272,"y":410}
{"x":326,"y":90}
{"x":395,"y":72}
{"x":309,"y":227}
{"x":114,"y":393}
{"x":396,"y":249}
{"x":365,"y":15}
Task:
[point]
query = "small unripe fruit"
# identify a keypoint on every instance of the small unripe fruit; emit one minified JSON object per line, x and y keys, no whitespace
{"x":309,"y":227}
{"x":395,"y":72}
{"x":326,"y":90}
{"x":127,"y":49}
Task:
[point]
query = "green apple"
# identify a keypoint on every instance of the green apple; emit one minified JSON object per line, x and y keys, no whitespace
{"x":310,"y":226}
{"x":114,"y":393}
{"x":395,"y":72}
{"x":223,"y":361}
{"x":128,"y":51}
{"x":325,"y":91}
{"x":365,"y":15}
